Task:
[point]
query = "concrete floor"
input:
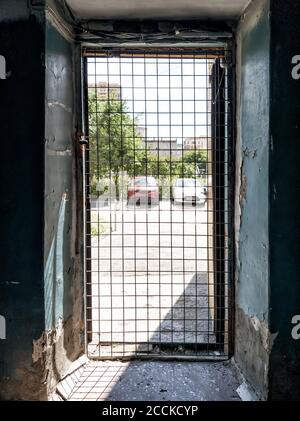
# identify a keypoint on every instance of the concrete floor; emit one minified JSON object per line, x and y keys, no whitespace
{"x":156,"y":380}
{"x":149,"y":277}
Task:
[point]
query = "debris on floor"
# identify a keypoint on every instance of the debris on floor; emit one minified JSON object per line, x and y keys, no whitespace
{"x":156,"y":380}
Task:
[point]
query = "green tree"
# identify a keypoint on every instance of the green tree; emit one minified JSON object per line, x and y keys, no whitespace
{"x":194,"y":163}
{"x":115,"y":145}
{"x":114,"y":142}
{"x":189,"y":164}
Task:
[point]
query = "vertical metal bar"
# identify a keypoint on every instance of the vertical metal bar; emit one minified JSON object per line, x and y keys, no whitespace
{"x":147,"y":227}
{"x":98,"y":323}
{"x":196,"y":213}
{"x":122,"y":220}
{"x":208,"y":218}
{"x":184,"y":207}
{"x":218,"y":142}
{"x":111,"y":181}
{"x":171,"y":212}
{"x":231,"y":181}
{"x":134,"y":217}
{"x":84,"y":248}
{"x":159,"y":204}
{"x":85,"y":192}
{"x":83,"y":108}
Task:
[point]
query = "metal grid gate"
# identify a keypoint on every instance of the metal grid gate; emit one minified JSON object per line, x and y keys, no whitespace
{"x":158,"y":203}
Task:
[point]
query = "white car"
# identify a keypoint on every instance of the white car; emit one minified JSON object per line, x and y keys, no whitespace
{"x":188,"y":190}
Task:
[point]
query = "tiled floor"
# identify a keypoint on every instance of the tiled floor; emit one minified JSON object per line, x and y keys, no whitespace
{"x":156,"y":380}
{"x":97,"y":381}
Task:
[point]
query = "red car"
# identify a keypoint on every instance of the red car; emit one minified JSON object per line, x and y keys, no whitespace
{"x":143,"y":190}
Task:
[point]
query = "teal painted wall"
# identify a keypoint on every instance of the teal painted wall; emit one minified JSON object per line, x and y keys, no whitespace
{"x":40,"y":277}
{"x":254,"y":152}
{"x":268,"y":221}
{"x":59,"y":161}
{"x":252,"y":198}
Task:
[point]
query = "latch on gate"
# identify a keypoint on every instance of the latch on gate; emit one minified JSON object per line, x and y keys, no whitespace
{"x":83,"y":140}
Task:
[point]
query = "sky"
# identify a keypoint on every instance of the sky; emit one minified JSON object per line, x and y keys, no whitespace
{"x":175,"y":91}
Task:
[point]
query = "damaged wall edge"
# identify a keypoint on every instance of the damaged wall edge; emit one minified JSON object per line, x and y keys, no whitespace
{"x":267,"y":200}
{"x":64,"y":304}
{"x":252,"y":336}
{"x":42,"y":300}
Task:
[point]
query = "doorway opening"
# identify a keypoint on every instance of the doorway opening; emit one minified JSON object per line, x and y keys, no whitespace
{"x":158,"y":203}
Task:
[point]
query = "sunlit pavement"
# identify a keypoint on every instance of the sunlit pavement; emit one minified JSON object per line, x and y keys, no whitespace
{"x":156,"y":381}
{"x":149,"y":276}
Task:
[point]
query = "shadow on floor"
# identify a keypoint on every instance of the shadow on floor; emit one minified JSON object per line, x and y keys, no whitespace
{"x":186,"y":329}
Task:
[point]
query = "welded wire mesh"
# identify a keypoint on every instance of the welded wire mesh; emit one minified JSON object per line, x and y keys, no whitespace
{"x":159,"y":203}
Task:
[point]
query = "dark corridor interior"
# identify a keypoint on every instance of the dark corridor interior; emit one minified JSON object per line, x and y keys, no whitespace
{"x":247,"y":302}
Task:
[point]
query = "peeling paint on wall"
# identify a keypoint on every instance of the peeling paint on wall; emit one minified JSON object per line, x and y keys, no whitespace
{"x":253,"y":340}
{"x":63,"y":272}
{"x":59,"y":104}
{"x":41,"y":272}
{"x":243,"y":187}
{"x":267,"y":339}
